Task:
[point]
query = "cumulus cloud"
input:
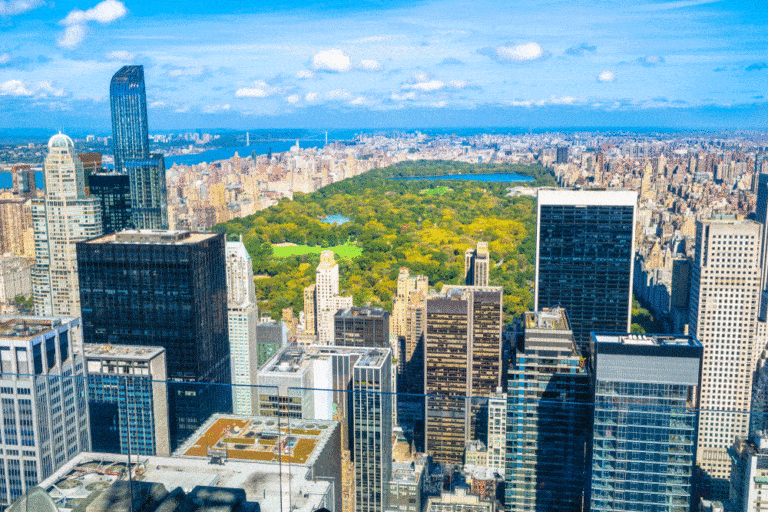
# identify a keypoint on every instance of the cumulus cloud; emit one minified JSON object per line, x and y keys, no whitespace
{"x":305,"y":74}
{"x":14,"y":88}
{"x":19,"y":88}
{"x":5,"y":58}
{"x":339,"y":94}
{"x":650,"y":60}
{"x":260,"y":89}
{"x":408,"y":96}
{"x":581,"y":49}
{"x":360,"y":100}
{"x":516,"y":53}
{"x":46,"y":88}
{"x":425,"y":86}
{"x":121,"y":55}
{"x":370,"y":65}
{"x":606,"y":76}
{"x":293,"y":98}
{"x":76,"y":21}
{"x":311,"y":96}
{"x":334,"y":61}
{"x":451,"y":61}
{"x":14,"y":7}
{"x":757,"y":66}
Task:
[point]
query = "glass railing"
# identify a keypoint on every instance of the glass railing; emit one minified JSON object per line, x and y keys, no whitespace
{"x":81,"y":439}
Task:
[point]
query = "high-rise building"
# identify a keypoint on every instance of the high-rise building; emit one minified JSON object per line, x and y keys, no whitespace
{"x":242,"y":316}
{"x":15,"y":278}
{"x":271,"y":336}
{"x":372,"y":419}
{"x":149,"y":202}
{"x":749,"y":480}
{"x":644,"y":429}
{"x":462,"y":365}
{"x":310,"y":322}
{"x":408,"y":323}
{"x":66,"y":216}
{"x":548,"y":417}
{"x":724,"y":299}
{"x":24,"y":184}
{"x":113,"y":191}
{"x":562,"y":155}
{"x":166,"y":289}
{"x":91,"y":164}
{"x":585,"y":248}
{"x":477,"y":266}
{"x":361,"y":327}
{"x":127,"y":399}
{"x":497,"y":432}
{"x":16,"y":228}
{"x":327,"y":298}
{"x":761,"y":215}
{"x":44,"y":407}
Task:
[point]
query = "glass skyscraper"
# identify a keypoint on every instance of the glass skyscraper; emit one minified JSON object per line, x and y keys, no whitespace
{"x":584,"y":258}
{"x":130,"y":134}
{"x":644,"y":429}
{"x":114,"y":192}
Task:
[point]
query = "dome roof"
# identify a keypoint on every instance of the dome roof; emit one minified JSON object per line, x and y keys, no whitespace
{"x":60,"y":141}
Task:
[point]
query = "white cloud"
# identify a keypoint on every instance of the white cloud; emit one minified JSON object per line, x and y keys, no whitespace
{"x":186,"y":72}
{"x":370,"y":65}
{"x":14,"y":88}
{"x":410,"y":96}
{"x":5,"y":58}
{"x":331,"y":60}
{"x":305,"y":74}
{"x":606,"y":76}
{"x":104,"y":12}
{"x":339,"y":94}
{"x":182,"y":110}
{"x":13,"y":7}
{"x":427,"y":86}
{"x":439,"y":104}
{"x":565,"y":100}
{"x":421,"y":76}
{"x":519,"y":52}
{"x":261,"y":89}
{"x":18,"y":88}
{"x":360,"y":100}
{"x":46,"y":88}
{"x":458,"y":84}
{"x":121,"y":55}
{"x":157,"y":104}
{"x":311,"y":96}
{"x":293,"y":98}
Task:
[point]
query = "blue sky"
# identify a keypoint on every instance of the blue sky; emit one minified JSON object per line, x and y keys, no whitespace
{"x":358,"y":64}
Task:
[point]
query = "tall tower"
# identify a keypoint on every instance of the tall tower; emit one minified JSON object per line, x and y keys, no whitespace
{"x":149,"y":201}
{"x":477,"y":265}
{"x":242,"y":316}
{"x":585,"y":248}
{"x":462,"y":365}
{"x":725,"y":292}
{"x":761,"y":215}
{"x":644,"y":429}
{"x":327,"y":299}
{"x":165,"y":289}
{"x":62,"y":219}
{"x":372,"y":420}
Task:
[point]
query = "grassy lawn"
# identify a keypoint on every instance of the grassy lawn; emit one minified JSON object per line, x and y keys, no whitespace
{"x":437,"y":191}
{"x":345,"y":251}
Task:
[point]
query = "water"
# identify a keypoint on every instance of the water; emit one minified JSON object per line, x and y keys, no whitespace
{"x":336,"y":219}
{"x":6,"y":180}
{"x":498,"y":178}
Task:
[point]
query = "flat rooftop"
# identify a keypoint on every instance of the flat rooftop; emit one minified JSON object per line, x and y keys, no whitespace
{"x":552,"y":319}
{"x":362,"y":311}
{"x":570,"y":197}
{"x":121,"y":352}
{"x":287,"y":360}
{"x":24,"y":327}
{"x":373,"y":359}
{"x":151,"y":236}
{"x":650,"y":340}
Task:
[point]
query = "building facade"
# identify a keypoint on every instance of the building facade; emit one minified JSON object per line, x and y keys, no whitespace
{"x":585,"y":248}
{"x":361,"y":327}
{"x":15,"y":278}
{"x":477,"y":265}
{"x":43,"y":398}
{"x":113,"y":191}
{"x":166,"y":289}
{"x":644,"y":429}
{"x":327,"y":298}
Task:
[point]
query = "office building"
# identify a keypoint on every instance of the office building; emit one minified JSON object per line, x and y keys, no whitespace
{"x":460,"y":500}
{"x":644,"y":430}
{"x":724,"y":299}
{"x":113,"y":191}
{"x":310,"y":323}
{"x":326,"y":297}
{"x":584,"y":258}
{"x":15,"y":278}
{"x":406,"y":486}
{"x":408,"y":324}
{"x":761,"y":215}
{"x":17,"y":235}
{"x":749,"y":479}
{"x":66,"y":216}
{"x":271,"y":336}
{"x":166,"y":289}
{"x":91,"y":165}
{"x":23,"y":177}
{"x":361,"y":327}
{"x":242,"y":316}
{"x":127,"y":399}
{"x":372,"y":419}
{"x":149,"y":203}
{"x":44,"y":408}
{"x":548,"y":417}
{"x":462,"y":365}
{"x":562,"y":155}
{"x":497,"y":432}
{"x":477,"y":265}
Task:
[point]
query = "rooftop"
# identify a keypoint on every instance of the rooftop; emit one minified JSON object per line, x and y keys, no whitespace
{"x":362,"y":311}
{"x":374,"y":358}
{"x":659,"y":340}
{"x":150,"y":236}
{"x":551,"y":319}
{"x":28,"y":327}
{"x":127,"y":352}
{"x":570,"y":197}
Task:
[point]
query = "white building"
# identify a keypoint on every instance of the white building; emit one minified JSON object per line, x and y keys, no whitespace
{"x":327,"y":299}
{"x":242,"y":316}
{"x":497,"y":431}
{"x":43,"y":395}
{"x":15,"y":278}
{"x":725,"y":295}
{"x":66,"y":216}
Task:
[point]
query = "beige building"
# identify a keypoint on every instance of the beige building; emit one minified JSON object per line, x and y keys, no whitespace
{"x":725,"y":294}
{"x":477,"y":265}
{"x":16,"y":233}
{"x":327,"y":298}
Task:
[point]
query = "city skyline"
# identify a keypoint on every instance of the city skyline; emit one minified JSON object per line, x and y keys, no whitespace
{"x":679,"y":64}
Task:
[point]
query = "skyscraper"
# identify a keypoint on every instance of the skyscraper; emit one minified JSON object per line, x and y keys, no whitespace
{"x":327,"y":298}
{"x":65,"y":217}
{"x":361,"y":327}
{"x":761,"y":215}
{"x":113,"y":191}
{"x":372,"y":419}
{"x":131,"y":147}
{"x":408,"y":323}
{"x":23,"y":181}
{"x":725,"y":293}
{"x":462,"y":365}
{"x":644,"y":433}
{"x":242,"y":316}
{"x":166,"y":289}
{"x":585,"y":248}
{"x":548,"y":417}
{"x":477,"y":265}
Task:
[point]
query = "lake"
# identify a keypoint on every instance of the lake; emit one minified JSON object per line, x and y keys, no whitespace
{"x":335,"y":219}
{"x":497,"y":178}
{"x":6,"y":180}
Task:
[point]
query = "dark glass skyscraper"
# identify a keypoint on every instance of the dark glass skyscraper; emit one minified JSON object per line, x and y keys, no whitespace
{"x":584,"y":258}
{"x":114,"y":192}
{"x":131,"y":147}
{"x":165,"y":289}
